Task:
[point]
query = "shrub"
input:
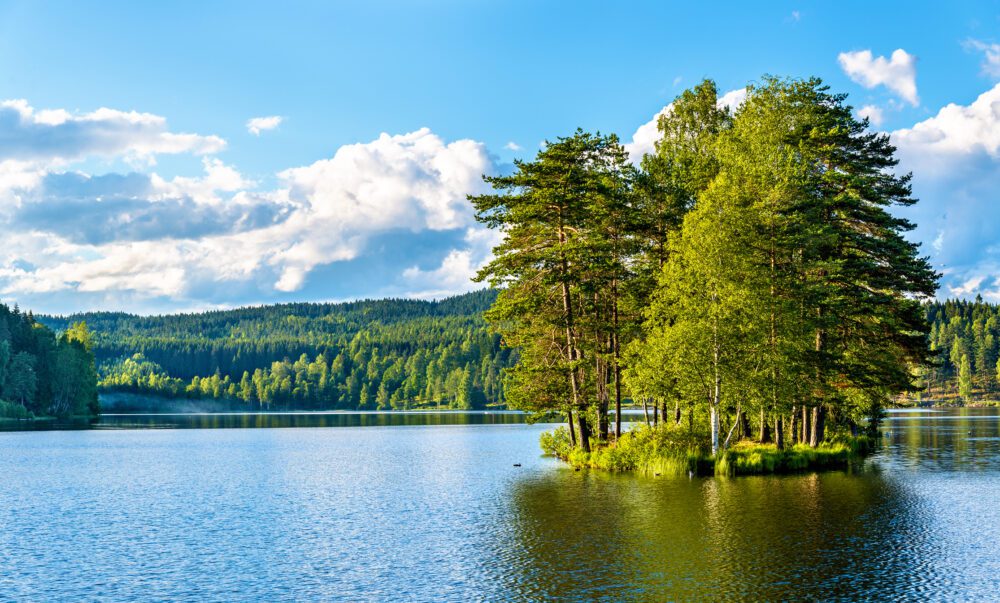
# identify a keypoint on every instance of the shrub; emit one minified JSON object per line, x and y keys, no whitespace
{"x":671,"y":450}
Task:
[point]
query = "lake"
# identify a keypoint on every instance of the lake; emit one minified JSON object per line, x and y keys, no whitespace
{"x":438,"y":512}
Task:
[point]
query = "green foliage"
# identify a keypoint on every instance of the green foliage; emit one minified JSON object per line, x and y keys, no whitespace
{"x":11,"y":410}
{"x":749,"y":458}
{"x":662,"y":450}
{"x":41,"y":374}
{"x":762,"y":251}
{"x":965,"y":378}
{"x":563,"y":273}
{"x":671,"y":451}
{"x":963,"y":333}
{"x":361,"y":355}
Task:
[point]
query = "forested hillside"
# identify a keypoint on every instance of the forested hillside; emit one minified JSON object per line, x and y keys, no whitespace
{"x":380,"y":354}
{"x":965,"y":337}
{"x":42,"y":374}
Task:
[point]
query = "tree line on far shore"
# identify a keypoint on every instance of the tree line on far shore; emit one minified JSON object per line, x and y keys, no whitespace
{"x":965,"y":342}
{"x":749,"y":275}
{"x":388,"y":354}
{"x":42,"y":374}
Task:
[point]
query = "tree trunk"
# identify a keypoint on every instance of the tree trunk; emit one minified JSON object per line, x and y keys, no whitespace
{"x":714,"y":423}
{"x":616,"y":354}
{"x":818,"y":415}
{"x":572,"y":431}
{"x":677,"y":412}
{"x":717,"y":391}
{"x":794,"y":426}
{"x":570,"y":336}
{"x":581,"y":420}
{"x":779,"y":432}
{"x":765,"y":430}
{"x":745,"y":426}
{"x":645,"y":411}
{"x":602,"y":397}
{"x":806,"y":424}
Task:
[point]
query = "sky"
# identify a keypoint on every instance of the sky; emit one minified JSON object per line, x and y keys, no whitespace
{"x":165,"y":157}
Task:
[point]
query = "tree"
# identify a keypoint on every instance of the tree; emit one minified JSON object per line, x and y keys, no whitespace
{"x":21,"y":383}
{"x":789,"y":280}
{"x":965,"y":378}
{"x":542,"y":266}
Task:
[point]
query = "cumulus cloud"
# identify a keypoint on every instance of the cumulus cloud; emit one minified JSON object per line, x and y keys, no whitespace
{"x":137,"y":235}
{"x":873,"y":114}
{"x":512,"y":146}
{"x":991,"y":56}
{"x":456,"y":270}
{"x":55,"y":136}
{"x":412,"y":181}
{"x":95,"y":210}
{"x":897,"y":73}
{"x":955,"y":158}
{"x":733,"y":99}
{"x":645,"y":136}
{"x":256,"y":125}
{"x":956,"y":131}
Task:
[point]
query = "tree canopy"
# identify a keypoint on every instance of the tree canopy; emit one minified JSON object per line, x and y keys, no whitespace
{"x":751,"y":265}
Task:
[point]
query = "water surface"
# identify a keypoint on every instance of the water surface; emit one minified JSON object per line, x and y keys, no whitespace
{"x":440,"y":513}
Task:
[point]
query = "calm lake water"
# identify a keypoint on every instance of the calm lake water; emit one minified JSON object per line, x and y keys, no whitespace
{"x":438,"y":512}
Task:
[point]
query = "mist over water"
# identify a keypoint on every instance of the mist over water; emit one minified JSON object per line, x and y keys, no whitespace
{"x":422,"y":512}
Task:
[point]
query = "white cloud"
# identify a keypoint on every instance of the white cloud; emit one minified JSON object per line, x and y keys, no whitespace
{"x":873,"y":113}
{"x":898,"y":73}
{"x":55,"y":136}
{"x":733,"y":99}
{"x":645,"y":136}
{"x":256,"y":125}
{"x":512,"y":146}
{"x":955,"y":159}
{"x":218,"y":177}
{"x":146,"y":236}
{"x":967,"y":288}
{"x":991,"y":56}
{"x":956,"y":130}
{"x":455,"y":273}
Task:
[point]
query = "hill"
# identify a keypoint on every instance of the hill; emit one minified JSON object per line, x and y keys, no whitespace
{"x":371,"y":354}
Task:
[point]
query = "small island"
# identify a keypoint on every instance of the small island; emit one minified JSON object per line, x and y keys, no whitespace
{"x":746,"y":284}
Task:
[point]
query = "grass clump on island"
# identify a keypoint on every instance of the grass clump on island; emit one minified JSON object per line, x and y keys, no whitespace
{"x":669,"y":450}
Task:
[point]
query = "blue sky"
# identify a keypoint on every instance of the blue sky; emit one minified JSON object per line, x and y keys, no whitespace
{"x":131,"y":180}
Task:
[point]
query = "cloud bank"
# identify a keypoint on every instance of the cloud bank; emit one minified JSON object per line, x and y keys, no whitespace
{"x":133,"y":237}
{"x":391,"y":212}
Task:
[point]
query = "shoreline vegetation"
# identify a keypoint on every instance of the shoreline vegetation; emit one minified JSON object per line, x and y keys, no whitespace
{"x":383,"y":354}
{"x":671,"y":452}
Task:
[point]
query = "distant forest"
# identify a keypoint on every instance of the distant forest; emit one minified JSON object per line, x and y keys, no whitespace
{"x":965,"y":338}
{"x":41,"y":374}
{"x":365,"y":355}
{"x":383,"y":354}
